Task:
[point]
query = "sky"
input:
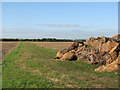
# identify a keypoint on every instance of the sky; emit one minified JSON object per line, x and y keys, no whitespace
{"x":66,"y":20}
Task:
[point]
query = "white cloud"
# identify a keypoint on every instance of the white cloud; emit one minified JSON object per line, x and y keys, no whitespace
{"x":66,"y":26}
{"x":60,"y":25}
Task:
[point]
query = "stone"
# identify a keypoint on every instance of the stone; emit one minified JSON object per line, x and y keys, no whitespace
{"x":113,"y":50}
{"x":114,"y":54}
{"x":60,"y":53}
{"x":73,"y":51}
{"x":73,"y":46}
{"x":106,"y":47}
{"x":81,"y":44}
{"x":96,"y":42}
{"x":117,"y":36}
{"x":106,"y":56}
{"x":69,"y":56}
{"x":79,"y":49}
{"x":114,"y":66}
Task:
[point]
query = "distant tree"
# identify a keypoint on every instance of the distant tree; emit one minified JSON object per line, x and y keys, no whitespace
{"x":43,"y":39}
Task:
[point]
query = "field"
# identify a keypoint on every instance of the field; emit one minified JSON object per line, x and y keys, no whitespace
{"x":30,"y":66}
{"x":54,"y":45}
{"x":7,"y":47}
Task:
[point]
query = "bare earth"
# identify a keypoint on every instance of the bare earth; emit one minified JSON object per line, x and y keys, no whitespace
{"x":6,"y":47}
{"x":54,"y":45}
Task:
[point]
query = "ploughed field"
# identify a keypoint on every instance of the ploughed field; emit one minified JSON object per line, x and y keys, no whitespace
{"x":32,"y":66}
{"x":54,"y":45}
{"x":7,"y":47}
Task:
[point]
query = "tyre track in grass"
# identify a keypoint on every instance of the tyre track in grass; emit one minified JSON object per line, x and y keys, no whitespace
{"x":27,"y":68}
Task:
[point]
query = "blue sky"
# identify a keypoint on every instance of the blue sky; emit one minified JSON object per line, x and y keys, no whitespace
{"x":69,"y":20}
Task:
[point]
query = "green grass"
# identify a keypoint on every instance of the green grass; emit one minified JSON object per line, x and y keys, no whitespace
{"x":37,"y":69}
{"x":0,"y":75}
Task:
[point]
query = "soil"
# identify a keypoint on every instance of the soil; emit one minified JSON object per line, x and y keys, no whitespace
{"x":6,"y":47}
{"x":54,"y":45}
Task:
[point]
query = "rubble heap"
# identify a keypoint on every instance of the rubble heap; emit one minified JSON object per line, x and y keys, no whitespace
{"x":101,"y":51}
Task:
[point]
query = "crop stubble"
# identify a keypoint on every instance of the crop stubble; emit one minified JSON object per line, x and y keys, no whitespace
{"x":54,"y":45}
{"x":6,"y":47}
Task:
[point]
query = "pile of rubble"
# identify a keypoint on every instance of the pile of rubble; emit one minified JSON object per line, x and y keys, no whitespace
{"x":101,"y":51}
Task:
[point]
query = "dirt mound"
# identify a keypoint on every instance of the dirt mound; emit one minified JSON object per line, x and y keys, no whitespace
{"x":101,"y":51}
{"x":114,"y":66}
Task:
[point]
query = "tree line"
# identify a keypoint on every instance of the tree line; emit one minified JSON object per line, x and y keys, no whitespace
{"x":41,"y":40}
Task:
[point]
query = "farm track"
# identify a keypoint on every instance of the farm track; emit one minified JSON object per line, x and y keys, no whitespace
{"x":30,"y":66}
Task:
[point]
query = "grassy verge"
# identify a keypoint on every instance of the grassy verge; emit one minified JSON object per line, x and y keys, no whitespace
{"x":30,"y":66}
{"x":0,"y":75}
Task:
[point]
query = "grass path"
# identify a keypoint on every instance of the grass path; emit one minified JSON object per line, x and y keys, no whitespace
{"x":30,"y":66}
